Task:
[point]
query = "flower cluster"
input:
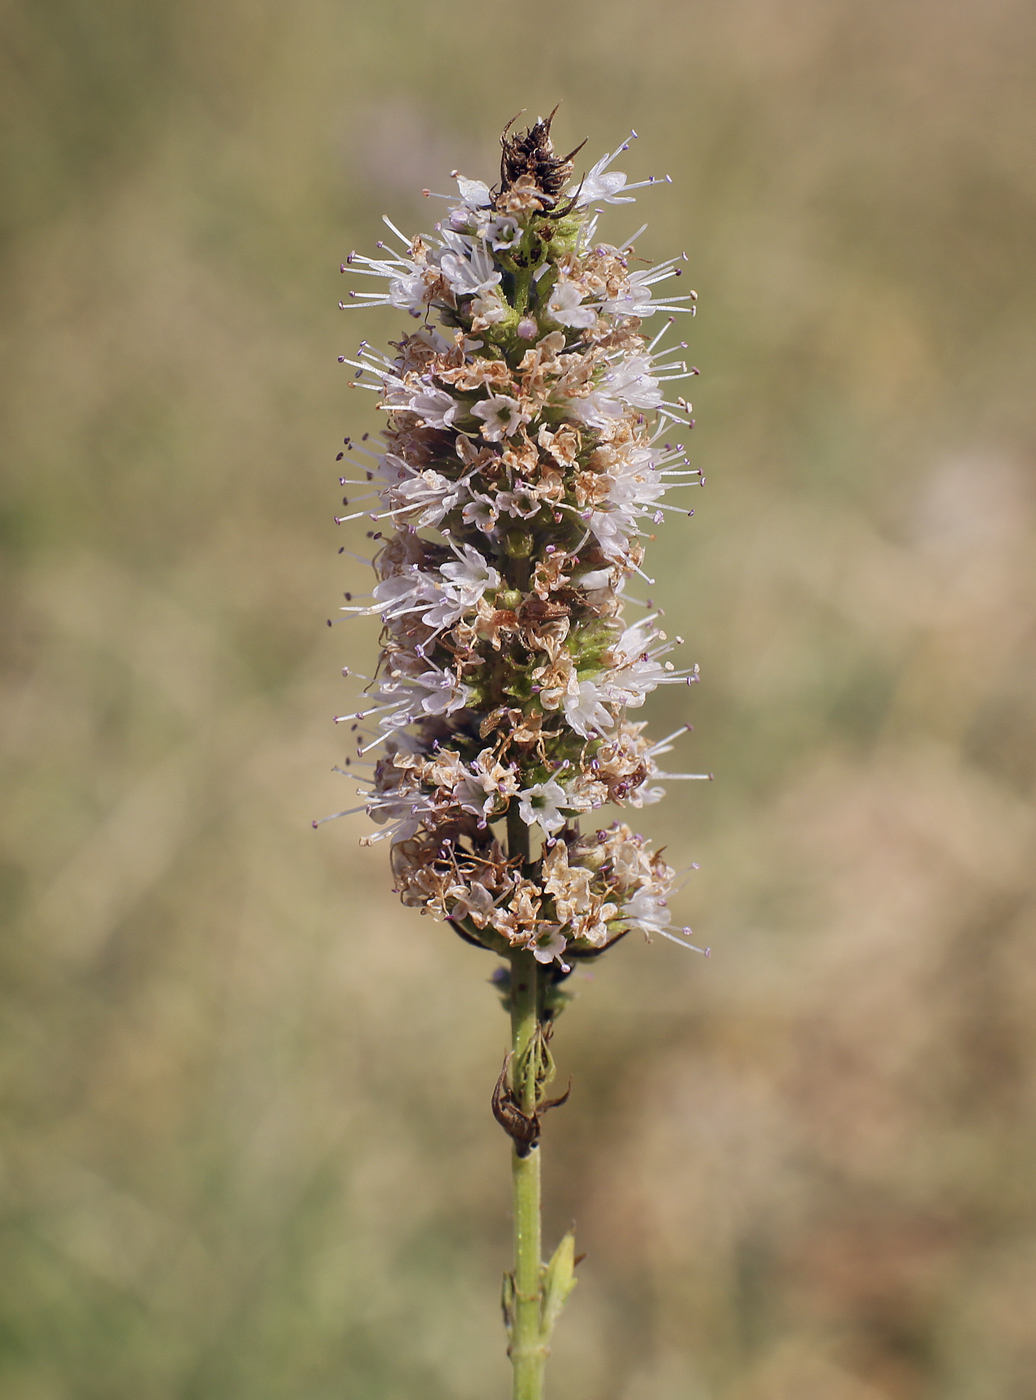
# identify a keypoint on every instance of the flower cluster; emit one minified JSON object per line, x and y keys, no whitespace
{"x":523,"y":462}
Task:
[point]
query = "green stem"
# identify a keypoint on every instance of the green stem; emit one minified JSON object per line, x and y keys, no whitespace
{"x":517,"y":833}
{"x":528,"y":1350}
{"x":522,"y":283}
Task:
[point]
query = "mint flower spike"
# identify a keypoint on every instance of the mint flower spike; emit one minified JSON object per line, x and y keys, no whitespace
{"x":528,"y":446}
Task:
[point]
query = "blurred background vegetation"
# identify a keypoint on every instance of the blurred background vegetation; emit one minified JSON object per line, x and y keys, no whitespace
{"x":247,"y":1144}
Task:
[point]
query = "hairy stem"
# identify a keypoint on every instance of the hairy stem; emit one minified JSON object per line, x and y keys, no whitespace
{"x":517,"y":834}
{"x":528,"y":1350}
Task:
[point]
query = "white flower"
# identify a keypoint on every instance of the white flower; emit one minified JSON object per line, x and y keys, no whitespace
{"x":410,"y":281}
{"x":564,"y":306}
{"x":471,"y":796}
{"x":433,"y":692}
{"x":410,"y":293}
{"x":432,"y":494}
{"x":636,"y":683}
{"x":481,"y":511}
{"x":405,"y":592}
{"x":541,"y":803}
{"x":522,"y":502}
{"x":469,"y":573}
{"x":634,"y":482}
{"x":648,"y":911}
{"x":602,"y":185}
{"x":466,"y":579}
{"x":630,"y":382}
{"x":483,"y":783}
{"x":630,"y":864}
{"x":610,"y":532}
{"x":469,"y":270}
{"x":435,"y":406}
{"x":633,"y":300}
{"x":502,"y":232}
{"x":585,"y":710}
{"x":401,"y":812}
{"x":502,"y":416}
{"x":553,"y":948}
{"x":636,"y":671}
{"x":489,"y":308}
{"x":644,"y":796}
{"x":474,"y":903}
{"x":474,"y":193}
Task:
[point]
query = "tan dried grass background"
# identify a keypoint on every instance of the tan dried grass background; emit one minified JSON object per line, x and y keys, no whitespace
{"x":247,"y":1144}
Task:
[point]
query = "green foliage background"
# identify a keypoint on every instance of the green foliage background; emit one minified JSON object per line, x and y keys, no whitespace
{"x":247,"y":1143}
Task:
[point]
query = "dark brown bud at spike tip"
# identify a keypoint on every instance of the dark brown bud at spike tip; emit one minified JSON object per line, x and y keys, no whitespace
{"x":532,"y":155}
